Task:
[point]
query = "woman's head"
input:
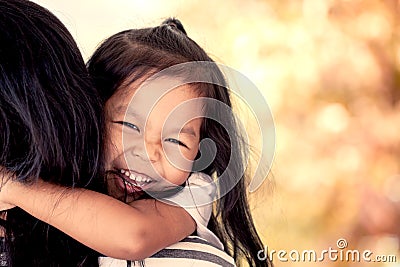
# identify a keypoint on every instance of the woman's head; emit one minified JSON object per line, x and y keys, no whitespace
{"x":49,"y":111}
{"x":50,"y":124}
{"x":119,"y":67}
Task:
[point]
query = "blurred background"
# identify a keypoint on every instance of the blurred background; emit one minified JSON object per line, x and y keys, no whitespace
{"x":330,"y":73}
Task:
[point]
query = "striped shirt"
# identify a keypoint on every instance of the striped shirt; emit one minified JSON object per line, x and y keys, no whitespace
{"x":191,"y":251}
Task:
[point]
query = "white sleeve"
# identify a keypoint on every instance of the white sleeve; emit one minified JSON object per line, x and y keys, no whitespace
{"x":197,"y":198}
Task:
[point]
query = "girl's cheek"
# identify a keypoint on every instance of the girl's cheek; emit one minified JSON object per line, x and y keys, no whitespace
{"x":176,"y":176}
{"x":178,"y":158}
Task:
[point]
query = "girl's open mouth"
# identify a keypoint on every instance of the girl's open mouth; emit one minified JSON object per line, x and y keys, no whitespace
{"x":132,"y":181}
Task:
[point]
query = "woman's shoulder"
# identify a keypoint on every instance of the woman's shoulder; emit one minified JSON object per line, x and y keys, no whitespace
{"x":191,"y":251}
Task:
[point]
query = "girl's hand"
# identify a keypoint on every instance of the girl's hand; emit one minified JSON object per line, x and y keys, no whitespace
{"x":6,"y":182}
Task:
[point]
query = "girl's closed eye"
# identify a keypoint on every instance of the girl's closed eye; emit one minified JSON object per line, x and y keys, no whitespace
{"x":129,"y":125}
{"x":176,"y":141}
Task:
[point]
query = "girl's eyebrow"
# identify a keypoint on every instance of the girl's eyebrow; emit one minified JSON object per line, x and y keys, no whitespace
{"x":185,"y":130}
{"x":127,"y":111}
{"x":120,"y":109}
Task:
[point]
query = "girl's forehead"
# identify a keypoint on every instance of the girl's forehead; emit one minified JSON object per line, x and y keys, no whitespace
{"x":153,"y":90}
{"x":135,"y":99}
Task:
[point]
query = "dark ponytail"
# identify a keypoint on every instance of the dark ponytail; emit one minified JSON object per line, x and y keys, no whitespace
{"x":174,"y":24}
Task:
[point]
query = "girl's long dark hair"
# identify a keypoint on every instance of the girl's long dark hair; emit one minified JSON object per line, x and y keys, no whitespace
{"x":133,"y":54}
{"x":50,"y":127}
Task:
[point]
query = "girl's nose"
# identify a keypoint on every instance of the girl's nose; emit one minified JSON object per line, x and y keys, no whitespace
{"x":153,"y":151}
{"x":147,"y":150}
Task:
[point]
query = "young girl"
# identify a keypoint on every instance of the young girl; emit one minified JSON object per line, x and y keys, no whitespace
{"x":119,"y":67}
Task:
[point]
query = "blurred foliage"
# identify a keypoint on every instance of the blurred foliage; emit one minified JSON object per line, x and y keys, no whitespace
{"x":330,"y":71}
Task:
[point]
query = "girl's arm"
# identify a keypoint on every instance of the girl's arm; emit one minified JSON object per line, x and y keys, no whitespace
{"x":111,"y":227}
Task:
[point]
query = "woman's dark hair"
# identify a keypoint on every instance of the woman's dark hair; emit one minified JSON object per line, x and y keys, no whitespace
{"x":133,"y":54}
{"x":50,"y":127}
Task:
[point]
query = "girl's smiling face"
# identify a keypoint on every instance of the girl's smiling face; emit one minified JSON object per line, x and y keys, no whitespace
{"x":153,"y":138}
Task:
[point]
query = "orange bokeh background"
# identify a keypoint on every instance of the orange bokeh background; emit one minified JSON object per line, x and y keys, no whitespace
{"x":330,"y":72}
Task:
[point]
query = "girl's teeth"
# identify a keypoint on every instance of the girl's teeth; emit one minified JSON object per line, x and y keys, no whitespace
{"x":135,"y":178}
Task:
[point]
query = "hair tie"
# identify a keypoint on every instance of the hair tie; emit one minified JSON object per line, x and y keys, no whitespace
{"x":175,"y":24}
